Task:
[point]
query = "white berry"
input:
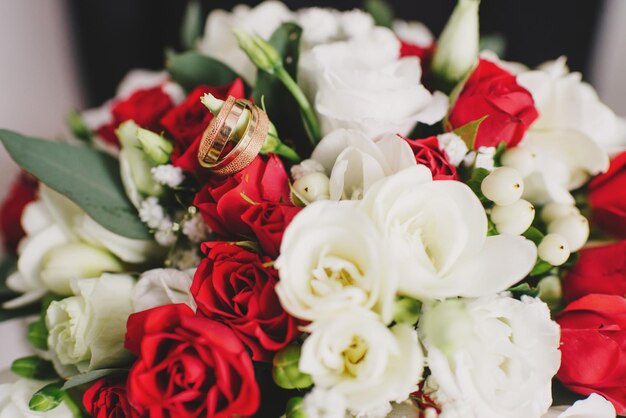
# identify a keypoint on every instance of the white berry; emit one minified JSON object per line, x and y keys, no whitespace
{"x":554,"y":249}
{"x":574,"y":228}
{"x":311,"y":187}
{"x":504,"y":186}
{"x":553,"y":211}
{"x":520,"y":159}
{"x":514,"y":218}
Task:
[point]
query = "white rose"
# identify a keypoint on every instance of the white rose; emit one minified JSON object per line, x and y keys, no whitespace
{"x":439,"y":231}
{"x":595,"y":406}
{"x":161,"y":287}
{"x":87,"y":330}
{"x":14,"y":399}
{"x":363,"y":84}
{"x":354,"y":354}
{"x":323,"y":25}
{"x":492,"y":357}
{"x":415,"y":33}
{"x":331,"y":258}
{"x":220,"y":43}
{"x":354,"y":162}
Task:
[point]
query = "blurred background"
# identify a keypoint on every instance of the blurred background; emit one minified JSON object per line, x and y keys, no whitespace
{"x":56,"y":55}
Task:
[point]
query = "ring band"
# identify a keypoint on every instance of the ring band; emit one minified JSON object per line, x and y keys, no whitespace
{"x":210,"y":133}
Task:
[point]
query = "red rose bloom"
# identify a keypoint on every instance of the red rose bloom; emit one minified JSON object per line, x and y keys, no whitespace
{"x":599,"y":270}
{"x":22,"y":192}
{"x":186,"y":122}
{"x":607,"y":196}
{"x":493,"y":92}
{"x":145,"y":107}
{"x":268,"y":222}
{"x":593,"y":347}
{"x":427,"y":153}
{"x":107,"y":398}
{"x":224,"y":200}
{"x":188,"y":366}
{"x":235,"y":286}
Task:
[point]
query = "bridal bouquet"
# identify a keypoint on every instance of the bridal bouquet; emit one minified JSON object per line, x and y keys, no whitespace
{"x":323,"y":214}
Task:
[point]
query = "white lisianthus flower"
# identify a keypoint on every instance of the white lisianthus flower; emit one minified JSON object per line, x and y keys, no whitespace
{"x":87,"y":330}
{"x":219,"y":41}
{"x":439,"y":232}
{"x":15,"y":397}
{"x":595,"y":406}
{"x":492,"y":357}
{"x":332,"y":258}
{"x":354,"y":354}
{"x":354,"y":162}
{"x":363,"y":84}
{"x":162,"y":287}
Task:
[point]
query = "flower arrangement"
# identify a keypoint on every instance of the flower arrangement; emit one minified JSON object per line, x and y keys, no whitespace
{"x":323,"y":214}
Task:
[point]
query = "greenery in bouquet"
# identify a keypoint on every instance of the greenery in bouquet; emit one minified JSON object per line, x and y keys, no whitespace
{"x":323,"y":214}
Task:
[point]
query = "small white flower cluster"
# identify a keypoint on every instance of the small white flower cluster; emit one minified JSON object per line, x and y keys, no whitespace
{"x":454,"y":147}
{"x":153,"y":215}
{"x":196,"y":229}
{"x":168,"y":175}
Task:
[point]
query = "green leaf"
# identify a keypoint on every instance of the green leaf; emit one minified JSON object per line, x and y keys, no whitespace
{"x":534,"y":235}
{"x":47,"y":398}
{"x":381,"y":11}
{"x":541,"y":267}
{"x":191,"y":69}
{"x":91,"y":376}
{"x":38,"y":334}
{"x":524,"y":289}
{"x":497,"y":156}
{"x":33,"y":367}
{"x":191,"y":28}
{"x":469,"y":131}
{"x":88,"y":177}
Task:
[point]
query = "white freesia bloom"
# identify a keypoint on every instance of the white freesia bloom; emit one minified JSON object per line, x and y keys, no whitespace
{"x":595,"y":406}
{"x":439,"y":232}
{"x":219,"y":41}
{"x":354,"y":162}
{"x":363,"y":84}
{"x":161,"y":287}
{"x":87,"y":330}
{"x":15,"y":396}
{"x":492,"y":357}
{"x":332,"y":258}
{"x":356,"y":355}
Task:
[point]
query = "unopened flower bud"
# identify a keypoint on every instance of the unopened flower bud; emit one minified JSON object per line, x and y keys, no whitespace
{"x":553,"y":211}
{"x":260,"y":52}
{"x":520,"y":159}
{"x":127,"y":134}
{"x":312,"y":187}
{"x":514,"y":218}
{"x":504,"y":186}
{"x":285,"y":369}
{"x":75,"y":260}
{"x":554,"y":249}
{"x":550,"y":291}
{"x":157,"y":148}
{"x":136,"y":173}
{"x":575,"y":229}
{"x":294,"y":408}
{"x":407,"y":310}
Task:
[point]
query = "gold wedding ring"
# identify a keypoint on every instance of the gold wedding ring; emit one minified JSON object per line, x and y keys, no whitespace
{"x":219,"y":132}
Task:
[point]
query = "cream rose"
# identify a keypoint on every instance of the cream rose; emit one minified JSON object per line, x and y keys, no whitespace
{"x":439,"y":232}
{"x":492,"y":357}
{"x":354,"y":162}
{"x":161,"y":287}
{"x":353,"y":354}
{"x":86,"y":331}
{"x":332,"y":258}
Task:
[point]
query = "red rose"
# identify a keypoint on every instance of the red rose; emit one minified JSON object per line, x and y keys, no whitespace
{"x":188,"y":366}
{"x":268,"y":222}
{"x":224,"y":200}
{"x":599,"y":270}
{"x":607,"y":196}
{"x":236,"y":286}
{"x":427,"y":153}
{"x":493,"y":92}
{"x":22,"y":192}
{"x":593,"y":347}
{"x":107,"y":398}
{"x":186,"y":122}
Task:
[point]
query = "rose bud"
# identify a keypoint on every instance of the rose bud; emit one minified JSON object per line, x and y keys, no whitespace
{"x":514,"y":218}
{"x":553,"y":211}
{"x":575,"y":229}
{"x":285,"y":370}
{"x":554,"y":249}
{"x":75,"y":260}
{"x":407,"y":310}
{"x":504,"y":186}
{"x":520,"y":159}
{"x":312,"y":187}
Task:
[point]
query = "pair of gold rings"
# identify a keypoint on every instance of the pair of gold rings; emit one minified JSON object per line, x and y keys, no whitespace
{"x":220,"y":131}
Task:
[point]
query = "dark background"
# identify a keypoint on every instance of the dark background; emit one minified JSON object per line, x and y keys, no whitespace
{"x":115,"y":36}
